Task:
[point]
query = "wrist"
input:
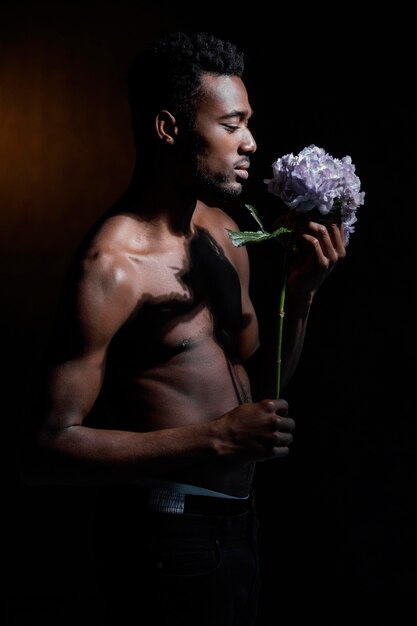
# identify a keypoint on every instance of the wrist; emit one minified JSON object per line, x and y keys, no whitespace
{"x":219,"y":445}
{"x":300,"y":296}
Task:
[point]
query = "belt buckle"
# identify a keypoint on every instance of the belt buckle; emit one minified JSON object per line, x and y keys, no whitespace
{"x":165,"y":501}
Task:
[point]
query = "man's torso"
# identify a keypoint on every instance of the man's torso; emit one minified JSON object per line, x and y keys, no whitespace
{"x":176,"y":359}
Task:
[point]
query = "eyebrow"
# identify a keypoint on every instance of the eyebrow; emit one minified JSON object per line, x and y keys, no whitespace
{"x":236,"y":113}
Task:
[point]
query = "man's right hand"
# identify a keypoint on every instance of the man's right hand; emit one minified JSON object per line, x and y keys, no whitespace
{"x":257,"y":431}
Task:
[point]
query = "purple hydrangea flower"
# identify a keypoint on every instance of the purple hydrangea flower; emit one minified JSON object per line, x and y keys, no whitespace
{"x":314,"y":180}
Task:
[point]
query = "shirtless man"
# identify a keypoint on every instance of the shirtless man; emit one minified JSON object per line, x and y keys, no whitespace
{"x":146,"y":383}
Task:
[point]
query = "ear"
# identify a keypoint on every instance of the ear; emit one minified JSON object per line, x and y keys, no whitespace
{"x":166,"y":127}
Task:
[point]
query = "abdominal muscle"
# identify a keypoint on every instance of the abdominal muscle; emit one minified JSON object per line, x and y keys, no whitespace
{"x":197,"y":385}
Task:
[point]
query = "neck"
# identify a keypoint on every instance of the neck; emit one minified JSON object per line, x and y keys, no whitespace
{"x":160,"y":197}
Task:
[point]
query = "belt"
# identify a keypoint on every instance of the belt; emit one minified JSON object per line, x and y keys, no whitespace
{"x":164,"y":501}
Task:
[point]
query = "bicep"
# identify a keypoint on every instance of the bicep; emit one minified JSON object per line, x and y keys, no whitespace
{"x":72,"y":388}
{"x":96,"y":308}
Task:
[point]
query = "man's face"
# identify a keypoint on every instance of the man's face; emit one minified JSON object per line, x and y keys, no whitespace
{"x":223,"y":142}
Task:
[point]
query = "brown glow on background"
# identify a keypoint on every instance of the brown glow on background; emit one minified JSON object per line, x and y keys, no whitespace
{"x":66,"y":150}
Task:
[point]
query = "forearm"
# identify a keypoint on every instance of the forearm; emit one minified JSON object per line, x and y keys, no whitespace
{"x":296,"y":316}
{"x":320,"y":248}
{"x":90,"y":456}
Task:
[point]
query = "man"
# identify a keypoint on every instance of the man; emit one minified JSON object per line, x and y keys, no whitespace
{"x":146,"y":391}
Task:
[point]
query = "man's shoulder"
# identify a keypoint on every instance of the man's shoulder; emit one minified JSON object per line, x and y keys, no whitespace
{"x":216,"y":220}
{"x":116,"y":231}
{"x":104,"y":258}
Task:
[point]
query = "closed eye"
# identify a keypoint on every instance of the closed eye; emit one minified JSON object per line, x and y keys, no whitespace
{"x":231,"y":127}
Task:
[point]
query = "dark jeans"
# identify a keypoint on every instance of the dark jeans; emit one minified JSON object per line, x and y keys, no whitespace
{"x":178,"y":570}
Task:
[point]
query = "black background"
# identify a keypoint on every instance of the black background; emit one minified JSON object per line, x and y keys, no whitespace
{"x":338,"y":515}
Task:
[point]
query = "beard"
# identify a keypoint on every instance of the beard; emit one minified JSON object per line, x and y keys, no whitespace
{"x":218,"y":186}
{"x":206,"y":182}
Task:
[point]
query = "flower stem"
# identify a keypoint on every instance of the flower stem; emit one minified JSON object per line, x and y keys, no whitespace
{"x":281,"y":314}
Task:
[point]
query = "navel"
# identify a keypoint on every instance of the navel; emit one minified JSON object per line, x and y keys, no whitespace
{"x":185,"y":343}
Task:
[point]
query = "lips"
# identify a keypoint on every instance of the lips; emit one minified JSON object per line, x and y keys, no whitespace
{"x":242,"y":170}
{"x":242,"y":173}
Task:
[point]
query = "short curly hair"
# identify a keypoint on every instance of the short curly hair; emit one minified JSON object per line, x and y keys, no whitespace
{"x":167,"y":75}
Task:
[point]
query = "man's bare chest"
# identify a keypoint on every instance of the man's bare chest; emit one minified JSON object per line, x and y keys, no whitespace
{"x":185,"y":295}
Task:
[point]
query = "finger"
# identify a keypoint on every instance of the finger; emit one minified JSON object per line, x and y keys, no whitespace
{"x":282,"y":439}
{"x":284,"y":424}
{"x":337,"y":235}
{"x":322,"y":234}
{"x":274,"y":406}
{"x":278,"y":453}
{"x":312,"y":244}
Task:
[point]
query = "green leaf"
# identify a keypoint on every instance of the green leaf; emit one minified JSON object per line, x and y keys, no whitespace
{"x":280,"y":231}
{"x":255,"y":215}
{"x":241,"y":238}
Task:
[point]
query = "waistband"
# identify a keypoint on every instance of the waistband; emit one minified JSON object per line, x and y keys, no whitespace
{"x":152,"y":482}
{"x":165,"y":501}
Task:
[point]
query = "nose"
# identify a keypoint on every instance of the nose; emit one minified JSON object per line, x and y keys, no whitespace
{"x":248,"y":143}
